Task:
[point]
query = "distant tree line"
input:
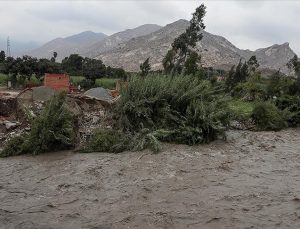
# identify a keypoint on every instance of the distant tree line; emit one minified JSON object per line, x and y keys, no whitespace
{"x":23,"y":68}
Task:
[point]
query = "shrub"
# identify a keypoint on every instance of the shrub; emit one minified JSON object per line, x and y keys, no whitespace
{"x":3,"y":79}
{"x":103,"y":140}
{"x":106,"y":83}
{"x":292,"y":104}
{"x":87,"y":84}
{"x":53,"y":130}
{"x":267,"y":117}
{"x":107,"y":140}
{"x":185,"y":109}
{"x":76,"y":80}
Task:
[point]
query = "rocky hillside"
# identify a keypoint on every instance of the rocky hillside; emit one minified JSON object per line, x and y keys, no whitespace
{"x":68,"y":45}
{"x":116,"y":39}
{"x":216,"y":51}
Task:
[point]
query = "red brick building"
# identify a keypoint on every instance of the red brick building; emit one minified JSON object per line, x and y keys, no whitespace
{"x":57,"y":81}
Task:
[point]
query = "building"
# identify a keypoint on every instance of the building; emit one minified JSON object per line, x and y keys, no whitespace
{"x":58,"y":82}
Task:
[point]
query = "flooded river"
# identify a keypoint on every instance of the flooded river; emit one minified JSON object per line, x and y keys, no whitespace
{"x":250,"y":181}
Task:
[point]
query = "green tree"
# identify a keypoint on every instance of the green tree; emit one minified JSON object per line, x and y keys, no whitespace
{"x":244,"y":73}
{"x":93,"y":69}
{"x":253,"y":64}
{"x":53,"y":59}
{"x":73,"y":64}
{"x":145,"y":67}
{"x":183,"y":45}
{"x":2,"y":56}
{"x":230,"y":79}
{"x":120,"y":73}
{"x":47,"y":66}
{"x":191,"y":64}
{"x":168,"y":61}
{"x":240,"y":74}
{"x":294,"y":64}
{"x":274,"y":85}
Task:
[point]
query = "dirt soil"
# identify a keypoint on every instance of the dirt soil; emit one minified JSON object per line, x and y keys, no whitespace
{"x":250,"y":181}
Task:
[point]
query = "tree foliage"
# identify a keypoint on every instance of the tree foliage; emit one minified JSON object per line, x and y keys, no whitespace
{"x":145,"y":67}
{"x":241,"y":73}
{"x":183,"y":46}
{"x":2,"y":56}
{"x":93,"y":69}
{"x":294,"y":64}
{"x":191,"y":64}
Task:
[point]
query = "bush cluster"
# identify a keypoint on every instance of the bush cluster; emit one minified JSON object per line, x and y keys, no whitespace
{"x":186,"y":109}
{"x":268,"y":117}
{"x":53,"y":130}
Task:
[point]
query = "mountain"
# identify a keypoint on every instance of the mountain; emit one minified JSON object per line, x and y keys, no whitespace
{"x":68,"y":45}
{"x":89,"y":43}
{"x":215,"y":51}
{"x":118,"y":38}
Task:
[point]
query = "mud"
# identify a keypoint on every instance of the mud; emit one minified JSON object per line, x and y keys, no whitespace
{"x":251,"y":181}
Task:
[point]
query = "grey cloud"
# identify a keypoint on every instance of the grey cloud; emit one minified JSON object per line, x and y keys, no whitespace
{"x":247,"y":24}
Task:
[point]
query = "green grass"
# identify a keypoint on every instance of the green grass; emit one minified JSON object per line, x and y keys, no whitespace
{"x":103,"y":82}
{"x":75,"y":80}
{"x":241,"y":110}
{"x":3,"y":79}
{"x":33,"y":80}
{"x":106,"y":83}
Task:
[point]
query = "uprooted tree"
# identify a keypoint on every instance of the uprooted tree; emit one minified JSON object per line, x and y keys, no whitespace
{"x":184,"y":45}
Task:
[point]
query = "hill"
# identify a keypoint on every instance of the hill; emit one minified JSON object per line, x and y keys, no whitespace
{"x":216,"y":51}
{"x":68,"y":45}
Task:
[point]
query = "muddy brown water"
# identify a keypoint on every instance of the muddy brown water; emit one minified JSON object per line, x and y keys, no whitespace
{"x":250,"y":181}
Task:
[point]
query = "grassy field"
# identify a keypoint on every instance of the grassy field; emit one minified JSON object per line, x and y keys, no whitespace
{"x":32,"y":81}
{"x":241,"y":109}
{"x":106,"y":83}
{"x":75,"y":80}
{"x":103,"y":82}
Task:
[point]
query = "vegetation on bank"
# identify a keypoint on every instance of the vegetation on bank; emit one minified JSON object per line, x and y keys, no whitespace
{"x":181,"y":105}
{"x":54,"y":129}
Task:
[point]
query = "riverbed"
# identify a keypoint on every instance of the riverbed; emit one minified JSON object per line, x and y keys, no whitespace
{"x":251,"y":180}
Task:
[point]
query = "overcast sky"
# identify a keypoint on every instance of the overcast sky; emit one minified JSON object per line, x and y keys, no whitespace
{"x":247,"y":24}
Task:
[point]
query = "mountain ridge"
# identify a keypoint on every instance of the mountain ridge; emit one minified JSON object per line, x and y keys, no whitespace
{"x":216,"y":51}
{"x":129,"y":48}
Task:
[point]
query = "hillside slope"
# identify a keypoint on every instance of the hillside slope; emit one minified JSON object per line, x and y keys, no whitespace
{"x":216,"y":51}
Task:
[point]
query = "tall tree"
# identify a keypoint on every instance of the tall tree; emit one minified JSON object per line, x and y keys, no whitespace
{"x":145,"y":67}
{"x":2,"y":56}
{"x":73,"y":64}
{"x":294,"y":64}
{"x":183,"y":45}
{"x":253,"y":64}
{"x":191,"y":64}
{"x":53,"y":58}
{"x":93,"y":69}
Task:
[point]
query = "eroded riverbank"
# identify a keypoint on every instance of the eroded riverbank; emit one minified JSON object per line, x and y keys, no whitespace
{"x":250,"y":181}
